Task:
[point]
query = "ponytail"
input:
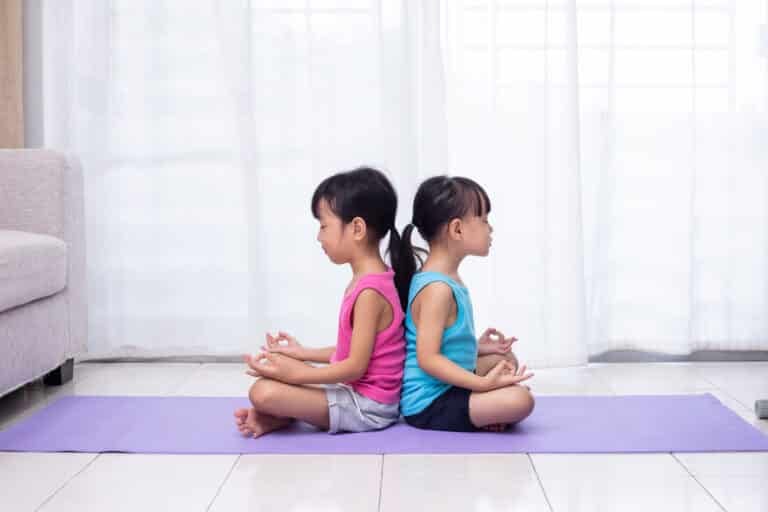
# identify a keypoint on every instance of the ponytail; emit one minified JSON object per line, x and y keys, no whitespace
{"x":403,"y":257}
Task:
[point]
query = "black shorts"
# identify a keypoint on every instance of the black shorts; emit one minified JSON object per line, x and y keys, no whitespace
{"x":449,"y":411}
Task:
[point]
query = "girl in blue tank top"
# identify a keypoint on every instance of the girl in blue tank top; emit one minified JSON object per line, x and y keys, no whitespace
{"x":452,"y":380}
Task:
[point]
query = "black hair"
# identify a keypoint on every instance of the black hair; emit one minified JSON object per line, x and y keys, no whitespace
{"x":438,"y":201}
{"x":367,"y":193}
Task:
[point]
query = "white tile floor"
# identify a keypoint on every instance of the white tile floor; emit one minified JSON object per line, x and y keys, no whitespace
{"x":520,"y":482}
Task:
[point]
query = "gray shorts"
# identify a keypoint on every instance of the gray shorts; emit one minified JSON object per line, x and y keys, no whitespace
{"x":349,"y":411}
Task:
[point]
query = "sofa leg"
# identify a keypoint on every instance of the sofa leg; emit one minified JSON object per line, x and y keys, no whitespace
{"x":60,"y":375}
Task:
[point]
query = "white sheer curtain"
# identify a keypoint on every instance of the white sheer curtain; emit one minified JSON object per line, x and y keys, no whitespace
{"x":673,"y":139}
{"x":622,"y":143}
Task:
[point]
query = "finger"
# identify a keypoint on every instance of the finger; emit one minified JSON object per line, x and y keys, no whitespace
{"x":255,"y":360}
{"x":501,"y":367}
{"x":523,"y":378}
{"x":512,"y":380}
{"x":263,"y":370}
{"x":496,"y":370}
{"x":522,"y":372}
{"x":287,"y":337}
{"x":248,"y":359}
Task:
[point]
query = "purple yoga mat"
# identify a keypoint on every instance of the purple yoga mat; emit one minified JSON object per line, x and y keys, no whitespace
{"x":559,"y":424}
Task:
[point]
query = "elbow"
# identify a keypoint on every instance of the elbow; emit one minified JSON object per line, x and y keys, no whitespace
{"x":356,"y":372}
{"x":425,"y":362}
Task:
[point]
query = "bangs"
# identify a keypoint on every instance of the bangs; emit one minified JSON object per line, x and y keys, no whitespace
{"x":329,"y":190}
{"x":473,"y":196}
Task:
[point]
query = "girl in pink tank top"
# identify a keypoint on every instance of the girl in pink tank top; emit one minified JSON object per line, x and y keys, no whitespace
{"x":359,"y":387}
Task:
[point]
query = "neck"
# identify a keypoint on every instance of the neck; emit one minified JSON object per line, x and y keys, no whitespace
{"x":367,"y":262}
{"x":442,"y":259}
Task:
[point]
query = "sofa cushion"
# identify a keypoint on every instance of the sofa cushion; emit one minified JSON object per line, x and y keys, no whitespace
{"x":32,"y":266}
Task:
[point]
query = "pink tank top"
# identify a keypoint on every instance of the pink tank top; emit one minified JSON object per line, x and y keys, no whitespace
{"x":384,"y":376}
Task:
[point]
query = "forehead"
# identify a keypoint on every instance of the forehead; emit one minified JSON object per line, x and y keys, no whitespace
{"x":324,"y":209}
{"x":475,"y":203}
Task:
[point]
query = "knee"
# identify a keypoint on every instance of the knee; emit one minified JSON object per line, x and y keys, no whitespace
{"x":521,"y":401}
{"x":528,"y":402}
{"x":262,"y":393}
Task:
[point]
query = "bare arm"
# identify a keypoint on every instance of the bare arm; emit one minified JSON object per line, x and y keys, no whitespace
{"x":435,"y":306}
{"x":318,"y":355}
{"x":368,"y":310}
{"x":288,"y":345}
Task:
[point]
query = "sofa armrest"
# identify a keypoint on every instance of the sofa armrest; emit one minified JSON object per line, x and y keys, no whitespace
{"x":41,"y":191}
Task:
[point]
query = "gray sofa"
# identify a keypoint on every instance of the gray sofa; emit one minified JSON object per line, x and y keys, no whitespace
{"x":43,"y":309}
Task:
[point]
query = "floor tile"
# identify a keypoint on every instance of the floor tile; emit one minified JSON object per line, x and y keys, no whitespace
{"x":726,"y":464}
{"x":738,"y":494}
{"x":569,"y":381}
{"x":627,"y":482}
{"x":220,"y":379}
{"x":28,"y":479}
{"x":144,"y":482}
{"x":653,"y":379}
{"x":302,"y":482}
{"x":460,"y":483}
{"x":136,"y":379}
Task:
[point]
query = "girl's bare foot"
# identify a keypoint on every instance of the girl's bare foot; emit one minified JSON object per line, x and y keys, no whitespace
{"x":254,"y":424}
{"x":241,"y":415}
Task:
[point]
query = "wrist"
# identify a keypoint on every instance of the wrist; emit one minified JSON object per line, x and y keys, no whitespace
{"x":481,"y":384}
{"x":303,"y":376}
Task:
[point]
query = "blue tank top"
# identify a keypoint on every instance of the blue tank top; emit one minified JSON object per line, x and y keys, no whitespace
{"x":459,"y":344}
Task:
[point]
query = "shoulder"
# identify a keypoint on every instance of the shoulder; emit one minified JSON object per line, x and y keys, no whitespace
{"x":370,"y":300}
{"x":438,"y":293}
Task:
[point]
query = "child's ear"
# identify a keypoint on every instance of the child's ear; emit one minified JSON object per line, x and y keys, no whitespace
{"x":454,"y":229}
{"x":359,"y":229}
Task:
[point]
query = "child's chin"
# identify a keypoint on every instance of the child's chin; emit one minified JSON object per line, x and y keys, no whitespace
{"x":335,"y":261}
